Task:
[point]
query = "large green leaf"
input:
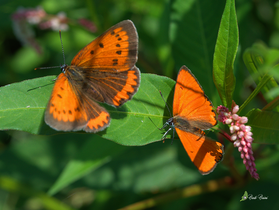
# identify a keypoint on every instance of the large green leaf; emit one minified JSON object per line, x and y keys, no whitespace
{"x":265,"y":126}
{"x":225,"y":52}
{"x":193,"y":32}
{"x":22,"y":107}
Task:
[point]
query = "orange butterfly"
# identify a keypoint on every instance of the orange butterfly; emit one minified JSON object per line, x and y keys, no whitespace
{"x":192,"y":113}
{"x":102,"y":71}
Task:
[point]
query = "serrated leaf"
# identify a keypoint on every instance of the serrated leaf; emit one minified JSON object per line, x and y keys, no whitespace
{"x":22,"y":107}
{"x":224,"y":55}
{"x":265,"y":126}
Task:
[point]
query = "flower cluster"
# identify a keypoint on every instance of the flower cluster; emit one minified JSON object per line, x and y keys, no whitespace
{"x":241,"y":136}
{"x":23,"y":18}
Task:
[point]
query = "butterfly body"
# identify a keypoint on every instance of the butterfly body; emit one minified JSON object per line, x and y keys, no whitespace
{"x":193,"y":113}
{"x":103,"y":71}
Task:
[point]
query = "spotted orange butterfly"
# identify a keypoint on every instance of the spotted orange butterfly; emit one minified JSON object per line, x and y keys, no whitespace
{"x":102,"y":71}
{"x":193,"y":113}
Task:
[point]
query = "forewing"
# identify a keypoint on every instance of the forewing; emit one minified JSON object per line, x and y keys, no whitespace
{"x":68,"y":110}
{"x":203,"y":152}
{"x":190,"y":102}
{"x":115,"y":49}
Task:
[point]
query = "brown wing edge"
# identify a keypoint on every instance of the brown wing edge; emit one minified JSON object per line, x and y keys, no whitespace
{"x":220,"y":158}
{"x":129,"y":26}
{"x":101,"y":122}
{"x":129,"y":89}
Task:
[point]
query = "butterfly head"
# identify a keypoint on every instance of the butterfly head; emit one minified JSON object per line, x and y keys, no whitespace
{"x":63,"y":68}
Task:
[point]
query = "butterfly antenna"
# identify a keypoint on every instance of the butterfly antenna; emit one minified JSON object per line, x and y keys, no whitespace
{"x":165,"y":102}
{"x":49,"y":67}
{"x":62,"y":46}
{"x":154,"y":123}
{"x":52,"y":67}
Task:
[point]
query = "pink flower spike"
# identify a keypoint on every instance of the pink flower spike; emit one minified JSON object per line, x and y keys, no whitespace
{"x":241,"y":135}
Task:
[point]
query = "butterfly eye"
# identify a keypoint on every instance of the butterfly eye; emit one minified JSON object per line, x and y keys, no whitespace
{"x":63,"y":68}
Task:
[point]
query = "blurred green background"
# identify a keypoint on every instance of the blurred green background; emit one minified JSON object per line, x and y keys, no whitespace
{"x":171,"y":34}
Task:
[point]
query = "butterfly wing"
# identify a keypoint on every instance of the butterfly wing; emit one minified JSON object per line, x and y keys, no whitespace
{"x":118,"y":46}
{"x":65,"y":110}
{"x":191,"y":103}
{"x":108,"y":65}
{"x":203,"y":152}
{"x":108,"y":86}
{"x":193,"y":113}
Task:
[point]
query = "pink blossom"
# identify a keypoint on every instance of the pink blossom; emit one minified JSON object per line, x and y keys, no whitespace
{"x":241,"y":136}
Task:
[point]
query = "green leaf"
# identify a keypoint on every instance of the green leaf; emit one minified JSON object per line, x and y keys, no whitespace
{"x":224,"y":55}
{"x":87,"y":161}
{"x":193,"y":32}
{"x":22,"y":107}
{"x":266,"y":78}
{"x":265,"y":126}
{"x":261,"y":61}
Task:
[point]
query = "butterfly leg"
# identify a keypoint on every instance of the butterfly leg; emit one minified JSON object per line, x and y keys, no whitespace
{"x":163,"y":137}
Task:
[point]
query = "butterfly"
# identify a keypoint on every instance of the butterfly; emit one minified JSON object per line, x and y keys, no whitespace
{"x":193,"y":113}
{"x":103,"y":71}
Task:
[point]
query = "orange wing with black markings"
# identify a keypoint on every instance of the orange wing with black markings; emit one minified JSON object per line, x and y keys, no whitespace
{"x":68,"y":112}
{"x":102,"y":71}
{"x":193,"y":113}
{"x":116,"y":49}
